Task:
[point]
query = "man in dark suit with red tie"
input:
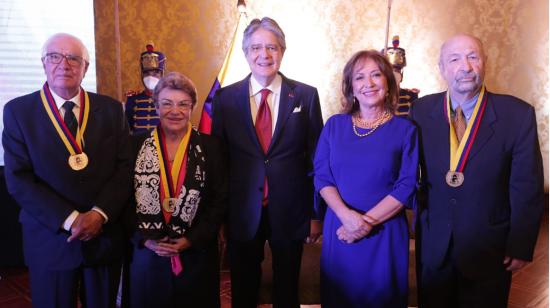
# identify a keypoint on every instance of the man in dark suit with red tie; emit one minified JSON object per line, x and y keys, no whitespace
{"x":482,"y":185}
{"x":270,"y":125}
{"x":67,"y":164}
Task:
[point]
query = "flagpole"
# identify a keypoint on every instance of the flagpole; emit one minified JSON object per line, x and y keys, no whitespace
{"x":387,"y":27}
{"x":241,"y":6}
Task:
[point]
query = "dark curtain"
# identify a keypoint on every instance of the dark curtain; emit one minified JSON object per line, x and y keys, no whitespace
{"x":11,"y":254}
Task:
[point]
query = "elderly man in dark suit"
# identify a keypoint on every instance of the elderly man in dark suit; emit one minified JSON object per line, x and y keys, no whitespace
{"x":67,"y":166}
{"x":482,"y":182}
{"x":270,"y":125}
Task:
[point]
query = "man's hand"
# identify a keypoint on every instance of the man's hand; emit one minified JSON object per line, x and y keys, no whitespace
{"x":86,"y":226}
{"x":513,"y":264}
{"x":315,"y":231}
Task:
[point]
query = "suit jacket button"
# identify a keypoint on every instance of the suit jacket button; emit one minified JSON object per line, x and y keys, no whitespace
{"x":453,"y":201}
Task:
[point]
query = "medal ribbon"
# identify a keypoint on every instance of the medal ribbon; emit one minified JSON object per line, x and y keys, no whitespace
{"x":74,"y":144}
{"x":171,"y":185}
{"x":460,"y":152}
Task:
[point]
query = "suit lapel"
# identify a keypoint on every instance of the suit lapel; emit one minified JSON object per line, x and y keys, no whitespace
{"x":485,"y":130}
{"x":287,"y":103}
{"x":94,"y":119}
{"x":441,"y":131}
{"x":91,"y":139}
{"x":243,"y":102}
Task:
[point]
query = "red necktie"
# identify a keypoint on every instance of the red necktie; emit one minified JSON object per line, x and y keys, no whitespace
{"x":263,"y":130}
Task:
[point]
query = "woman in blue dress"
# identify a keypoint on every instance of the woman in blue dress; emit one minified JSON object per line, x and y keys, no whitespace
{"x":366,"y":171}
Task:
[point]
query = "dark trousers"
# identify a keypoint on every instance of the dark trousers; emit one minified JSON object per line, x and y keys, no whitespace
{"x":245,"y":259}
{"x":97,"y":286}
{"x":446,"y":286}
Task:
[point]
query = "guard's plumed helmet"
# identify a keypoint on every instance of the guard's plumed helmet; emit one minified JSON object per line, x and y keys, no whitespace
{"x":152,"y":60}
{"x":396,"y":54}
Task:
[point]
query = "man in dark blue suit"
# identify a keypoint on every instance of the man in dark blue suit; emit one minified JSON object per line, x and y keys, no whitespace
{"x":482,"y":185}
{"x":270,"y":126}
{"x":67,"y":166}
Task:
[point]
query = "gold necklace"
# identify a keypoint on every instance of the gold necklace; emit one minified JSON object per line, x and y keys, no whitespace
{"x":370,"y":123}
{"x":377,"y":122}
{"x":366,"y":123}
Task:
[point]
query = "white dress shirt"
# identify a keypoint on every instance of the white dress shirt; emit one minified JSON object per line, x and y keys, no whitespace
{"x":273,"y":98}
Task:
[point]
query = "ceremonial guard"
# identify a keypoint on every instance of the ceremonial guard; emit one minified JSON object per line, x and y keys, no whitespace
{"x":140,"y":110}
{"x":397,"y":58}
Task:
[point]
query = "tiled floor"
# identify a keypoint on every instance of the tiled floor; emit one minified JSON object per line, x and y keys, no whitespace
{"x":529,"y":286}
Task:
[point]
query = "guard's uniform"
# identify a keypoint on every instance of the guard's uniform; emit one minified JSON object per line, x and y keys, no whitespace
{"x":139,"y":107}
{"x":406,"y":97}
{"x":396,"y":56}
{"x":140,"y":111}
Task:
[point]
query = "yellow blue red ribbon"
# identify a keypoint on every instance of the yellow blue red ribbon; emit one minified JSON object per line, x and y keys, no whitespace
{"x":74,"y":144}
{"x":171,"y":185}
{"x":459,"y":152}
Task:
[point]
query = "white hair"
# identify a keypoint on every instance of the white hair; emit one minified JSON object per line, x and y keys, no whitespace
{"x":83,"y":49}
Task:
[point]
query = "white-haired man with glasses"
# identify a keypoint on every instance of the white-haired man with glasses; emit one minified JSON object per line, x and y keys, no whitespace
{"x":67,"y":164}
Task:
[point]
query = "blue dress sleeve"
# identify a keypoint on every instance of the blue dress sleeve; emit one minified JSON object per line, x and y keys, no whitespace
{"x":321,"y":164}
{"x":405,"y":186}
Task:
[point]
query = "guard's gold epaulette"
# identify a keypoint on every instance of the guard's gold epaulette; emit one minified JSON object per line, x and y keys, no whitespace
{"x":131,"y":93}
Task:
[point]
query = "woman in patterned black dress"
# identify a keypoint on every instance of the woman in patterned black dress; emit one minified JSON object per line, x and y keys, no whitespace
{"x":180,"y":190}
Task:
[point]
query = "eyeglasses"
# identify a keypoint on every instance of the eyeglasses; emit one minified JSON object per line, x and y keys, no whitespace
{"x":56,"y":58}
{"x":182,"y":105}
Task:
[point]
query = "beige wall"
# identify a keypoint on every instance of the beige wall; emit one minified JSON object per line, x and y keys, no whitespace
{"x":322,"y":35}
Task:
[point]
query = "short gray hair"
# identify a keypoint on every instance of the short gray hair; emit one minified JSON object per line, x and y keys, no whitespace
{"x":175,"y":81}
{"x":83,"y":49}
{"x":267,"y":24}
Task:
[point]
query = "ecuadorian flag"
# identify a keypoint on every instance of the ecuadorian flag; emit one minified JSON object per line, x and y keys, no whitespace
{"x":205,"y":124}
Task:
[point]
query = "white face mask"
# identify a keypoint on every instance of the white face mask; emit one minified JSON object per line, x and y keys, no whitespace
{"x":150,"y":82}
{"x":398,"y":78}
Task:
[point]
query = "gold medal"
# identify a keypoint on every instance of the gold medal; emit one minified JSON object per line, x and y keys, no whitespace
{"x":78,"y":161}
{"x":169,"y":204}
{"x":454,"y":178}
